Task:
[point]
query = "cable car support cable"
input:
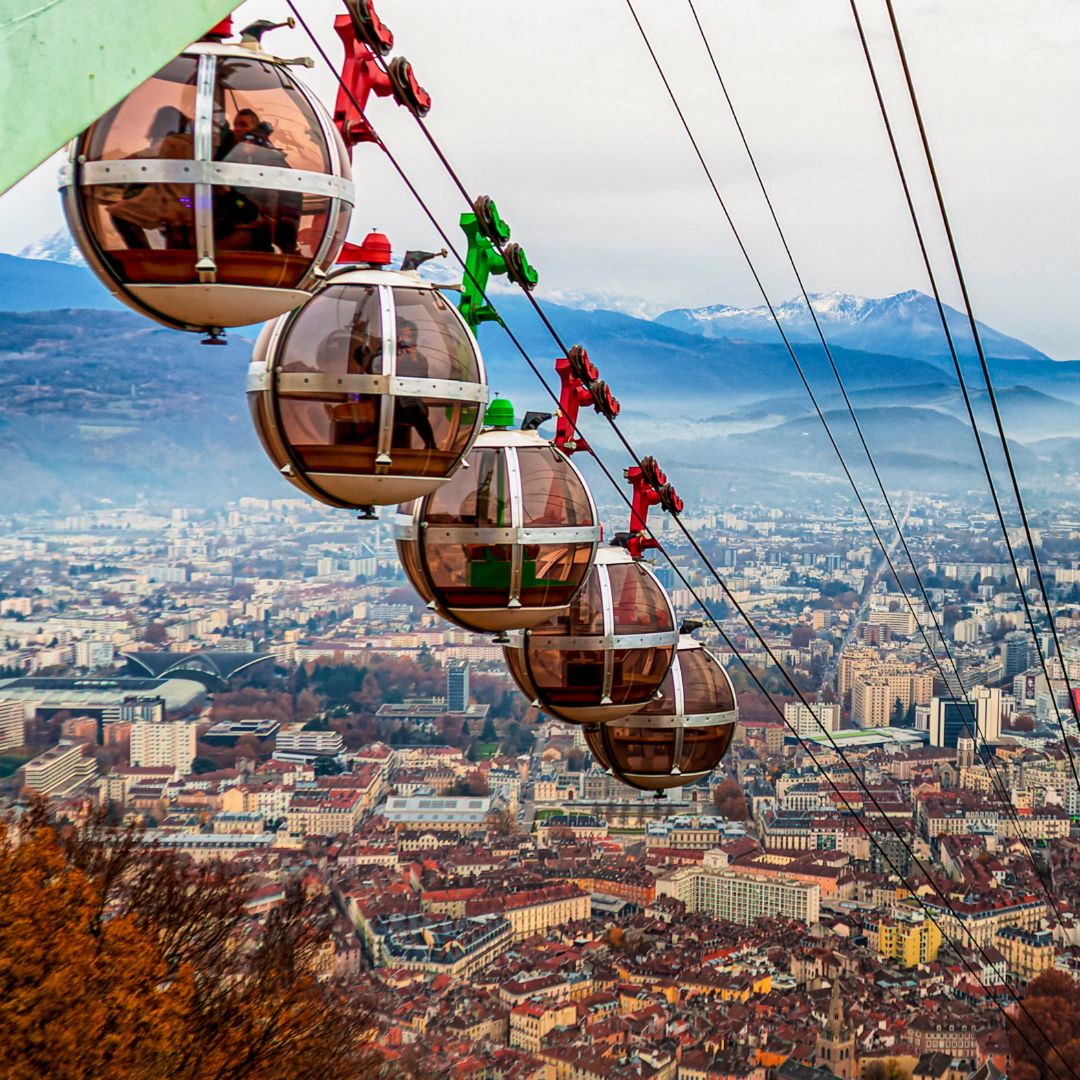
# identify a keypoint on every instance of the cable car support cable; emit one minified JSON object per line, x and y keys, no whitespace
{"x":968,"y":405}
{"x":968,"y":714}
{"x":750,"y":624}
{"x":806,"y":383}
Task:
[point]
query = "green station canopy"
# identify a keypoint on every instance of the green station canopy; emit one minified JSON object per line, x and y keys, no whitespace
{"x":65,"y":62}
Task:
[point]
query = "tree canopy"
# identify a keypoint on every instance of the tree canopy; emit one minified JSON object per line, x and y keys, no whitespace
{"x":1051,"y":1011}
{"x":121,"y":961}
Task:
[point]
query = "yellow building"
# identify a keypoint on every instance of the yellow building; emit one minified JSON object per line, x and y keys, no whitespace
{"x":729,"y":985}
{"x":909,"y":938}
{"x":1028,"y":953}
{"x":537,"y":910}
{"x":323,"y":813}
{"x":531,"y":1021}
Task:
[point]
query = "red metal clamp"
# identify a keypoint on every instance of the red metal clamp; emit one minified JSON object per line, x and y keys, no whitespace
{"x":651,"y":488}
{"x":365,"y":38}
{"x":581,"y":385}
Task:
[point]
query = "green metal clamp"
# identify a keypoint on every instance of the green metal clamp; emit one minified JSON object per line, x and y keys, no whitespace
{"x":486,"y":233}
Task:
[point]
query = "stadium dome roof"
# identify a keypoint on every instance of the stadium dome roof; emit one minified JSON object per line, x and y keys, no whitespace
{"x":213,"y":667}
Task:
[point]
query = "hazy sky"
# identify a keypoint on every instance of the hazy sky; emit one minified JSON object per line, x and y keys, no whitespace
{"x":555,"y":110}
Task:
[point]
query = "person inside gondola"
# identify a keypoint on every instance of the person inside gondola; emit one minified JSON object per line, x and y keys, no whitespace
{"x":158,"y":208}
{"x":411,"y":412}
{"x":255,"y":218}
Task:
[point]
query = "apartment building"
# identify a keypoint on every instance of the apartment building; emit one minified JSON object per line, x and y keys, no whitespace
{"x":535,"y":911}
{"x":852,"y":663}
{"x":157,"y":745}
{"x":323,"y":813}
{"x":875,"y":692}
{"x":531,"y":1021}
{"x":909,"y":938}
{"x":457,"y":948}
{"x":316,"y":743}
{"x":984,"y":919}
{"x":811,"y":721}
{"x":898,"y":622}
{"x":60,"y":769}
{"x":12,"y":724}
{"x":739,"y":896}
{"x":1028,"y":953}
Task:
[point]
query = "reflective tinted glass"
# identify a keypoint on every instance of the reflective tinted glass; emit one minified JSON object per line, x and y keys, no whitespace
{"x":552,"y":492}
{"x":431,"y":341}
{"x":337,"y":332}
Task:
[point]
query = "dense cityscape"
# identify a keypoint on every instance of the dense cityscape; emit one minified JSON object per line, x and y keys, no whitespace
{"x":389,"y":688}
{"x":504,"y":905}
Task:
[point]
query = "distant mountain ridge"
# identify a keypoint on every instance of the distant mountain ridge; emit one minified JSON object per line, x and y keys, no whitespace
{"x":906,"y":324}
{"x":56,"y":247}
{"x":98,"y":404}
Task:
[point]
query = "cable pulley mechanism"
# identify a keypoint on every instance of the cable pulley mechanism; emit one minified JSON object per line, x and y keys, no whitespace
{"x":487,"y":218}
{"x":366,"y":39}
{"x":369,"y":28}
{"x":407,"y":91}
{"x":488,"y":253}
{"x":580,"y":384}
{"x":518,"y":268}
{"x":651,"y":488}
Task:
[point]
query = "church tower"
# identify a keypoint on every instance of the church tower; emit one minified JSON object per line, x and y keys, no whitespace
{"x":835,"y":1050}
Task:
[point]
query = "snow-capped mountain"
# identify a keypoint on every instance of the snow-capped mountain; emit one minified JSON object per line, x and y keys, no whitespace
{"x":906,"y":324}
{"x":56,"y":247}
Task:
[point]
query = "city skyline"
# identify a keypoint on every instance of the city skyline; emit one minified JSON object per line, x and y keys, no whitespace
{"x":345,"y":710}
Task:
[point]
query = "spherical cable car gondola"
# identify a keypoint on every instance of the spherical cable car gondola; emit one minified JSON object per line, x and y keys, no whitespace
{"x":606,"y":656}
{"x":372,"y":392}
{"x":507,"y":542}
{"x":679,"y":737}
{"x":215,"y":194}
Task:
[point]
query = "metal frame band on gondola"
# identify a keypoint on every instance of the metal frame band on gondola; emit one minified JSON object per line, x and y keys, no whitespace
{"x":659,"y":723}
{"x":294,"y":384}
{"x":676,"y":720}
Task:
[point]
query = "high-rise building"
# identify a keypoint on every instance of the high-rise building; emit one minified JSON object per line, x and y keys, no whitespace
{"x":950,"y":721}
{"x":457,"y":687}
{"x":909,"y":937}
{"x":988,"y":713}
{"x":898,"y":622}
{"x":12,"y":724}
{"x":131,"y":709}
{"x":1015,"y":652}
{"x":876,"y":691}
{"x":157,"y":745}
{"x":806,"y":722}
{"x":59,"y":769}
{"x":852,"y":662}
{"x":666,"y":576}
{"x":94,"y":654}
{"x":922,"y":717}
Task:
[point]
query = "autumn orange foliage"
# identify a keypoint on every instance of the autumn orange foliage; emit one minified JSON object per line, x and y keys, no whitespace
{"x":116,"y":962}
{"x":1045,"y":1039}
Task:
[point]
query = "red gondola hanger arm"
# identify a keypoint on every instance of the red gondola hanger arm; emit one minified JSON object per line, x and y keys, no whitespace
{"x":580,"y":384}
{"x":650,"y":488}
{"x":367,"y":38}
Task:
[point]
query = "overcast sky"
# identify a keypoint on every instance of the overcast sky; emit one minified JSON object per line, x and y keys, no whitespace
{"x":556,"y":111}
